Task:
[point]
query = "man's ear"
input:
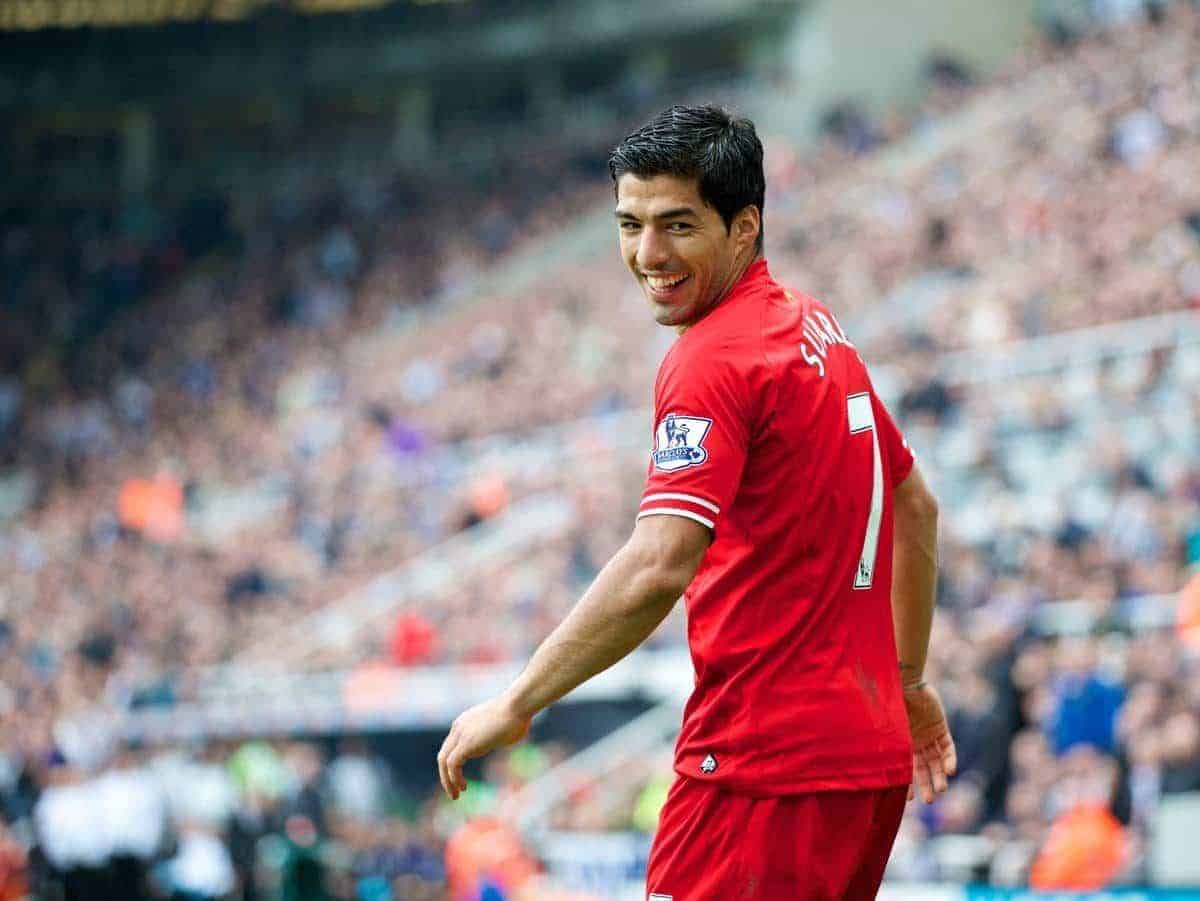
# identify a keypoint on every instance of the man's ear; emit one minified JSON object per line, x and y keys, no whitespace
{"x":747,"y":224}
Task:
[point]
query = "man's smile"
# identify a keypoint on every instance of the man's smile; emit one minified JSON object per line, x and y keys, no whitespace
{"x":665,"y":285}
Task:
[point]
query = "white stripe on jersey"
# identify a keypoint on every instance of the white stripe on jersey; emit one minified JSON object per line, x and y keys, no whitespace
{"x":708,"y":505}
{"x":672,"y":511}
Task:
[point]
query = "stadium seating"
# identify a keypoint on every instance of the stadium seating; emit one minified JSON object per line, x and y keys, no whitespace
{"x":347,"y":432}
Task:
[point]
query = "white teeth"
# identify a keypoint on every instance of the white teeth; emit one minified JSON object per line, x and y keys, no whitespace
{"x":662,"y":284}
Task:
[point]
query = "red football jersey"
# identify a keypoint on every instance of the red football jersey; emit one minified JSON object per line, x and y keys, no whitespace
{"x":768,"y":431}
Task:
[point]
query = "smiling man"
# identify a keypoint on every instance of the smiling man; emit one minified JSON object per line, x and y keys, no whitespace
{"x":784,"y":505}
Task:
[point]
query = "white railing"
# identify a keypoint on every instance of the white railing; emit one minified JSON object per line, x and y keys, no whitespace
{"x":249,"y":701}
{"x":1069,"y":349}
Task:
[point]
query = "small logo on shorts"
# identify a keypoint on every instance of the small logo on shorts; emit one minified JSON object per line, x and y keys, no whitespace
{"x":709,"y":765}
{"x":657,"y":897}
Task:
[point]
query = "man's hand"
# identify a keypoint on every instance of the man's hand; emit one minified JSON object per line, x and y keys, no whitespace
{"x":934,"y":757}
{"x":481,"y":729}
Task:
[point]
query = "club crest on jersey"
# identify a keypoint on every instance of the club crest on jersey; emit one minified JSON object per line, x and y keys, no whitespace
{"x":679,"y":442}
{"x":708,"y":765}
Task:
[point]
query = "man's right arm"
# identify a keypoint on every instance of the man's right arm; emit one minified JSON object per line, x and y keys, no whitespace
{"x":914,"y":590}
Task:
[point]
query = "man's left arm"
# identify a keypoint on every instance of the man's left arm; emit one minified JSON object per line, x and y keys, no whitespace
{"x":628,"y":599}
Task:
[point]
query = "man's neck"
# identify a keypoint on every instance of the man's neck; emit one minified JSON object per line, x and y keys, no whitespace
{"x":739,"y":273}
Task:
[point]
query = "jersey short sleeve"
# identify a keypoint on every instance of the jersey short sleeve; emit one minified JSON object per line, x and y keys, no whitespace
{"x":898,"y":454}
{"x":701,"y":436}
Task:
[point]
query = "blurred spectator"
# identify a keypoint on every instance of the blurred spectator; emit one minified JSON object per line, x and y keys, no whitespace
{"x":1085,"y":703}
{"x":201,"y":870}
{"x":1085,"y":851}
{"x":413,"y":640}
{"x":358,"y":782}
{"x":13,"y":883}
{"x":486,"y":859}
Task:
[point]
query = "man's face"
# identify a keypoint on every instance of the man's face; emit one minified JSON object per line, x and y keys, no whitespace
{"x":677,"y":247}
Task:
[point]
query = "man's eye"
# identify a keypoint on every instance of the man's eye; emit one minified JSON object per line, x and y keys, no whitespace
{"x":629,"y":226}
{"x":679,"y":227}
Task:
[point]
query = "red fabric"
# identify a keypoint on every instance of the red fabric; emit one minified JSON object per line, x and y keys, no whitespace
{"x":824,"y":845}
{"x":797,"y":682}
{"x":413,"y":640}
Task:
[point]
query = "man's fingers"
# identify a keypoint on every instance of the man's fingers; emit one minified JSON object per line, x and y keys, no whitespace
{"x":936,"y":774}
{"x":949,"y":756}
{"x":454,"y":765}
{"x":924,"y":780}
{"x":933,"y":760}
{"x":453,"y":756}
{"x":441,"y":765}
{"x":443,"y":771}
{"x":448,"y":771}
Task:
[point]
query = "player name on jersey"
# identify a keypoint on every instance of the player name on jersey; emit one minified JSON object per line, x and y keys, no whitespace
{"x":821,"y":331}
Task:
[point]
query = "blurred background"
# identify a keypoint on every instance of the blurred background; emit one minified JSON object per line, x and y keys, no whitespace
{"x":324,"y":394}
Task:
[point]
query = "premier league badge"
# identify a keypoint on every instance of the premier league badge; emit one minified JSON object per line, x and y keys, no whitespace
{"x":679,"y":442}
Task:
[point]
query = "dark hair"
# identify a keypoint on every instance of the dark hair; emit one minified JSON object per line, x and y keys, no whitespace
{"x":721,"y":152}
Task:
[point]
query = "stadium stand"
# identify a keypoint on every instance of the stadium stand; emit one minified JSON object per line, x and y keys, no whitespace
{"x":344,"y":438}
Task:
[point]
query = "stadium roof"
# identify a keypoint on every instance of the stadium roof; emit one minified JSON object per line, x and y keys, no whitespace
{"x":33,"y":15}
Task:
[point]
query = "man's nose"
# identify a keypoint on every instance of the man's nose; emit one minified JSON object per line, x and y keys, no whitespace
{"x":653,"y":250}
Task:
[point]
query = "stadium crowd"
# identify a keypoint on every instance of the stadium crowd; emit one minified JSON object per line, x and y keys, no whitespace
{"x":282,"y":423}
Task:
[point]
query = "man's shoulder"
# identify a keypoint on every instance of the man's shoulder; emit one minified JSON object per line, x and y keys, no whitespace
{"x":731,"y":337}
{"x":717,"y":354}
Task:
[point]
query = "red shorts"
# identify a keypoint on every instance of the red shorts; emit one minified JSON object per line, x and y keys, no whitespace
{"x":713,"y":845}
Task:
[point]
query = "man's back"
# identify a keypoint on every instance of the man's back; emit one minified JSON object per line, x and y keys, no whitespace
{"x":792,"y":459}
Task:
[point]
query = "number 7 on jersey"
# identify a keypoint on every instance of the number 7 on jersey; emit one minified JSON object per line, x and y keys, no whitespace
{"x":861,"y":416}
